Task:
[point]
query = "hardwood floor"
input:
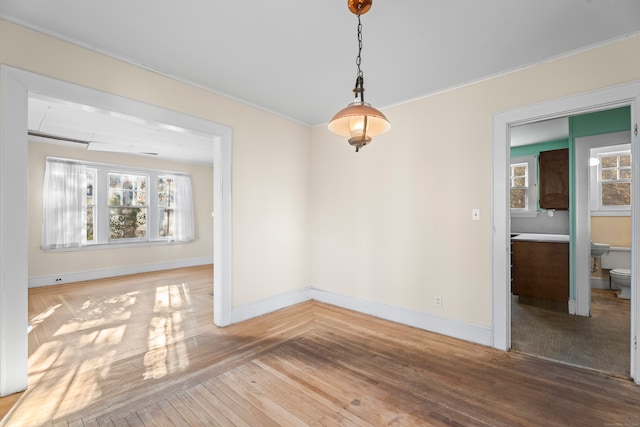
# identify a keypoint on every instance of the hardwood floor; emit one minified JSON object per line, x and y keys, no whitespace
{"x":142,"y":351}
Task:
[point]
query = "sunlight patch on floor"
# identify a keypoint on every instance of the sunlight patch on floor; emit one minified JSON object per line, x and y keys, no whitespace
{"x":167,"y":352}
{"x":36,"y":320}
{"x":98,"y":330}
{"x":88,"y":344}
{"x":96,"y":313}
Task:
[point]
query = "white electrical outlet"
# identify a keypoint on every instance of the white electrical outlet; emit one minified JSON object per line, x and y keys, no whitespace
{"x":475,"y":214}
{"x":437,"y":301}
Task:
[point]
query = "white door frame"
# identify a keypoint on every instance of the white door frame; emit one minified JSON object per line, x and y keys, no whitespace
{"x":627,"y":94}
{"x":16,"y":85}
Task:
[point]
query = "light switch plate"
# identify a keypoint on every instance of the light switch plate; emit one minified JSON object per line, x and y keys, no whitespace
{"x":475,"y":214}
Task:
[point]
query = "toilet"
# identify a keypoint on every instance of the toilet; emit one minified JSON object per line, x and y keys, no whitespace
{"x":621,"y":278}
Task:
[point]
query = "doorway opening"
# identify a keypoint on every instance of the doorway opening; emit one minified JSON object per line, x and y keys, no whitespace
{"x":579,"y":251}
{"x":17,"y":85}
{"x":597,"y":335}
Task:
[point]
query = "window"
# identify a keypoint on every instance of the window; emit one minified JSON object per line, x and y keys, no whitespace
{"x":615,"y":179}
{"x":88,"y":204}
{"x":127,"y":206}
{"x":165,"y":206}
{"x":522,"y":185}
{"x":611,"y":179}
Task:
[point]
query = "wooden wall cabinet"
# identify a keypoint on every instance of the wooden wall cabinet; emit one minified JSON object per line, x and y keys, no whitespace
{"x":540,"y":270}
{"x":554,"y":179}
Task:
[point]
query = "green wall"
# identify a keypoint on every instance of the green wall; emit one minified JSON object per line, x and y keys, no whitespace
{"x":600,"y":122}
{"x":615,"y":120}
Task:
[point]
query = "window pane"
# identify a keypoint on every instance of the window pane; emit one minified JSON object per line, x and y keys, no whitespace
{"x":127,"y":197}
{"x":115,"y":197}
{"x":127,"y":190}
{"x":90,"y":220}
{"x":625,"y":173}
{"x":519,"y":171}
{"x":609,"y":161}
{"x":141,"y":198}
{"x":115,"y":180}
{"x":608,"y":174}
{"x":519,"y":182}
{"x":165,"y":228}
{"x":169,"y":192}
{"x":91,"y":180}
{"x":141,"y":182}
{"x":625,"y":160}
{"x":616,"y":194}
{"x":165,"y":203}
{"x":127,"y":223}
{"x":127,"y":182}
{"x":518,"y":198}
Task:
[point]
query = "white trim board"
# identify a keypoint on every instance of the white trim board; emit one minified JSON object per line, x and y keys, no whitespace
{"x":479,"y":334}
{"x":582,"y":215}
{"x":16,"y":85}
{"x":607,"y":98}
{"x":105,"y":273}
{"x":13,"y":229}
{"x":270,"y":304}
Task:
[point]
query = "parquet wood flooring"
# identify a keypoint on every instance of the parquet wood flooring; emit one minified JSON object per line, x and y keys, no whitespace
{"x":143,"y":351}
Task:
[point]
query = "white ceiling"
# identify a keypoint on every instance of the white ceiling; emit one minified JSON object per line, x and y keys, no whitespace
{"x":58,"y":121}
{"x":543,"y":131}
{"x":297,"y":58}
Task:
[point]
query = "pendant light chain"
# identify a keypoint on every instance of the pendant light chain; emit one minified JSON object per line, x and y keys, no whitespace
{"x":359,"y":57}
{"x":360,"y":77}
{"x":359,"y":121}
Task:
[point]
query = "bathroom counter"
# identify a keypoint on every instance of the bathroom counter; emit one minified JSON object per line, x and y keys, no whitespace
{"x":539,"y":237}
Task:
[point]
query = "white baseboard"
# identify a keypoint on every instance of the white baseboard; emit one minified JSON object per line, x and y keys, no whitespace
{"x":81,"y":276}
{"x":454,"y":328}
{"x":572,"y":306}
{"x":267,"y":305}
{"x":599,"y":283}
{"x":466,"y":331}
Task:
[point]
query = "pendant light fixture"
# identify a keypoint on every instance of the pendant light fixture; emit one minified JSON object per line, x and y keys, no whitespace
{"x":359,"y":121}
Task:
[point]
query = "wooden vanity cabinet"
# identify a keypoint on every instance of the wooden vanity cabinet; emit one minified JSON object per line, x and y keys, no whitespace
{"x":540,"y":270}
{"x":554,"y":179}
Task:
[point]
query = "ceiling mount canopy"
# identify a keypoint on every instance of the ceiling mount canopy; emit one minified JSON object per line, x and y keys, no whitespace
{"x":359,"y":121}
{"x":359,"y":7}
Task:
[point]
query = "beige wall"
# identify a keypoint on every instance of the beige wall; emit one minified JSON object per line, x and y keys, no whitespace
{"x":43,"y":263}
{"x":271,"y":156}
{"x":614,"y":230}
{"x":392,"y":224}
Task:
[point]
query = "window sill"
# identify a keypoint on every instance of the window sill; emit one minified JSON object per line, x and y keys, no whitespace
{"x":530,"y":214}
{"x":101,"y":246}
{"x":611,"y":213}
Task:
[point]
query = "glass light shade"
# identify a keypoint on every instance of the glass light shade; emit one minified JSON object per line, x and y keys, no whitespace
{"x":350,"y":121}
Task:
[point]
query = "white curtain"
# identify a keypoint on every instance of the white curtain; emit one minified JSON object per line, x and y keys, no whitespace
{"x":63,"y":205}
{"x":183,"y":209}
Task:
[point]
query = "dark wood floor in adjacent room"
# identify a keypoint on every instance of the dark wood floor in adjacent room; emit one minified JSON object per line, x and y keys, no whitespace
{"x":142,"y":351}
